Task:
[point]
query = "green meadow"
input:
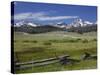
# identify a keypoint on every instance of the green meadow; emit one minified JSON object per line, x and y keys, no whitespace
{"x":31,"y":47}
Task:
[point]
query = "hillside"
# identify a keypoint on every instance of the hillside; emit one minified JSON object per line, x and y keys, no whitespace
{"x":38,"y":29}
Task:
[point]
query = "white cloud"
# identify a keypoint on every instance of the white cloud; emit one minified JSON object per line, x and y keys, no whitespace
{"x":41,"y":16}
{"x":56,"y":18}
{"x":21,"y":16}
{"x":28,"y":15}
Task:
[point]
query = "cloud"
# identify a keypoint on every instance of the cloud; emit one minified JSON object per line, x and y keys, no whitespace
{"x":28,"y":15}
{"x":40,"y":16}
{"x":21,"y":16}
{"x":57,"y":18}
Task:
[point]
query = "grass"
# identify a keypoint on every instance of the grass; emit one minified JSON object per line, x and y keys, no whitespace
{"x":46,"y":45}
{"x":58,"y":67}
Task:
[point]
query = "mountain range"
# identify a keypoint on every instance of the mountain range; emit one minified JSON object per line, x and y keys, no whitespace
{"x":76,"y":25}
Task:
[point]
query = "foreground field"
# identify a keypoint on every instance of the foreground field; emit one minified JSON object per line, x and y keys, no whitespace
{"x":29,"y":47}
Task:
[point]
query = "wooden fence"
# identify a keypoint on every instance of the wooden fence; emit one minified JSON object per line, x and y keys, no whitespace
{"x":62,"y":59}
{"x":31,"y":64}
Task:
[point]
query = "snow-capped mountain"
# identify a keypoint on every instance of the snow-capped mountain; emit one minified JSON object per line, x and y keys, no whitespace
{"x":32,"y":24}
{"x":79,"y":22}
{"x":81,"y":26}
{"x":87,"y":22}
{"x":60,"y":25}
{"x":77,"y":25}
{"x":35,"y":28}
{"x":18,"y":24}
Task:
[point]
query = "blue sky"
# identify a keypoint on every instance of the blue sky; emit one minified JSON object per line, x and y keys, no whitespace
{"x":52,"y":13}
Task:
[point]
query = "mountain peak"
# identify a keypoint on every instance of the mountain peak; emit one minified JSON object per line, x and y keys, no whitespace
{"x":18,"y":24}
{"x":79,"y":22}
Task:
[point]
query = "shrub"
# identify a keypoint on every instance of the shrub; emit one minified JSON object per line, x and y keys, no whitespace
{"x":66,"y":40}
{"x":29,"y":41}
{"x":34,"y":41}
{"x":70,"y":40}
{"x":78,"y":39}
{"x":94,"y":39}
{"x":85,"y":41}
{"x":55,"y":41}
{"x":47,"y":43}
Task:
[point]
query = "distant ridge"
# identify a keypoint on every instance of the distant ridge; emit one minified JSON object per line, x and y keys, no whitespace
{"x":78,"y":25}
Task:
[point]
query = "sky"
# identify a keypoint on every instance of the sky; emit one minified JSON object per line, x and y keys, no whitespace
{"x":45,"y":13}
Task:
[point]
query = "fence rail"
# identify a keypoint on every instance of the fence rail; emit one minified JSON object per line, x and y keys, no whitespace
{"x":30,"y":64}
{"x":62,"y":59}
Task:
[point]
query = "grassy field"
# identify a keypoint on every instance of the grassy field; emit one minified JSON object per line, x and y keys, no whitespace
{"x":30,"y":47}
